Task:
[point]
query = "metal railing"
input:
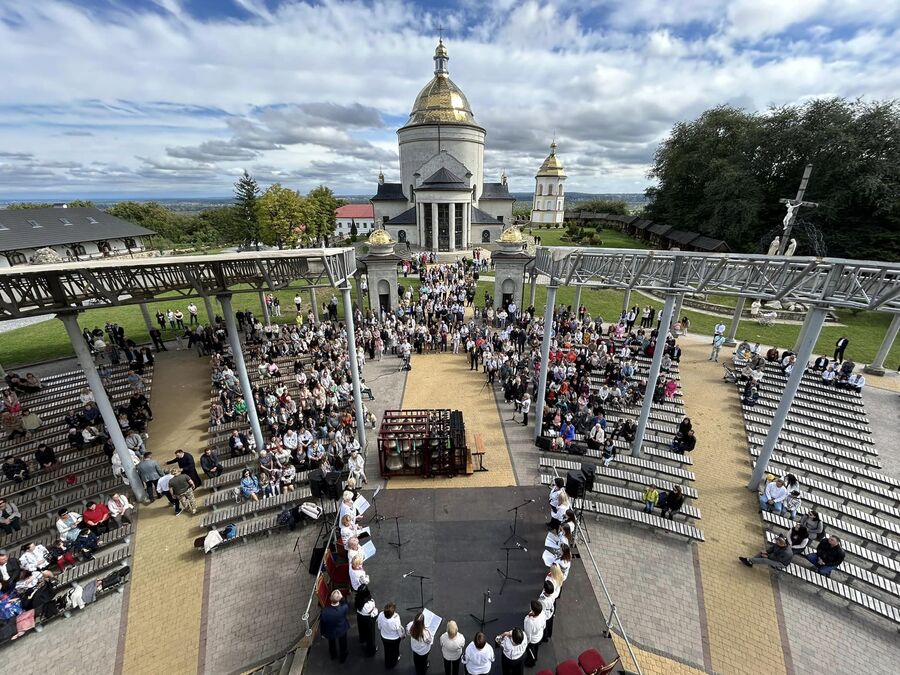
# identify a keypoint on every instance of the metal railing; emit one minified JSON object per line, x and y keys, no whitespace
{"x":312,"y":595}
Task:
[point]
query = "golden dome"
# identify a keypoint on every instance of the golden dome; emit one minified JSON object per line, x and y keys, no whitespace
{"x":441,"y":101}
{"x":552,"y":166}
{"x":380,"y":238}
{"x":511,"y":235}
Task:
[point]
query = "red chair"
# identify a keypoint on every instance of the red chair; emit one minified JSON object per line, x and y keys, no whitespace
{"x":569,"y":667}
{"x":339,"y":574}
{"x":322,"y":592}
{"x":546,"y":671}
{"x":592,"y":663}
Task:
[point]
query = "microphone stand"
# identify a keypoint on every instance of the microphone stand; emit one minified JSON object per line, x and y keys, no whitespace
{"x":481,"y":621}
{"x":376,"y":517}
{"x":399,"y":543}
{"x":505,"y":574}
{"x":421,"y":579}
{"x":515,"y":524}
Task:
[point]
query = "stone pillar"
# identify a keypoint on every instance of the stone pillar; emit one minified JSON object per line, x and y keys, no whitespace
{"x":815,"y":319}
{"x":877,"y":366}
{"x":315,"y":303}
{"x":655,"y":365}
{"x":354,"y":368}
{"x":735,"y":322}
{"x":234,"y":339}
{"x":83,"y":354}
{"x":541,"y":394}
{"x":359,"y":293}
{"x":145,"y":312}
{"x":434,"y":227}
{"x":577,"y":303}
{"x":465,"y":209}
{"x":264,"y":307}
{"x":452,"y":211}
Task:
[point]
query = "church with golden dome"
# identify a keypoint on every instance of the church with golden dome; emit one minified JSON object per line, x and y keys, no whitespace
{"x":442,"y":202}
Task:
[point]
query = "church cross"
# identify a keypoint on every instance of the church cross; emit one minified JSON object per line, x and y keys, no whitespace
{"x":793,"y":205}
{"x":440,"y":33}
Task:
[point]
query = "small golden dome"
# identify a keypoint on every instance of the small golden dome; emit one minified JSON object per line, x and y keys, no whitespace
{"x":380,"y":238}
{"x":511,"y":235}
{"x":552,"y":166}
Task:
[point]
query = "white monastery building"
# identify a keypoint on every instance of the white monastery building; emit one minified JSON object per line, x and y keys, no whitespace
{"x":549,"y":199}
{"x":442,"y":202}
{"x":363,"y":215}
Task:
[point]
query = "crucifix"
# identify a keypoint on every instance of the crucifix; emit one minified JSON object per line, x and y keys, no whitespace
{"x":793,"y":205}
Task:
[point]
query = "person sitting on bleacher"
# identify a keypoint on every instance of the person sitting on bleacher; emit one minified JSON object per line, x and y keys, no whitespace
{"x":670,"y":503}
{"x":799,"y":539}
{"x":846,"y":369}
{"x":67,"y":524}
{"x":238,"y":443}
{"x":828,"y":376}
{"x":60,"y":554}
{"x":120,"y":509}
{"x":788,"y":364}
{"x":772,"y":498}
{"x":34,"y":557}
{"x":249,"y":486}
{"x":820,"y":364}
{"x":751,"y":395}
{"x":813,"y":525}
{"x":828,"y":556}
{"x":96,"y":517}
{"x":209,"y":462}
{"x":855,"y":382}
{"x":778,"y":554}
{"x":683,"y":443}
{"x":15,"y":469}
{"x":86,"y":544}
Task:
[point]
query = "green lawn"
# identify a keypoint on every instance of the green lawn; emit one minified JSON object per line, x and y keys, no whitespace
{"x":611,"y":238}
{"x":865,"y":330}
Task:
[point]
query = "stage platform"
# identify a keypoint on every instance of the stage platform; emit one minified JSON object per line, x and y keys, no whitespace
{"x":456,"y":537}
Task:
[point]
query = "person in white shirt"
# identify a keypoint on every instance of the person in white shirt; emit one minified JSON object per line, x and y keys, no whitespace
{"x":67,"y":524}
{"x":525,"y":407}
{"x":120,"y":509}
{"x":366,"y":611}
{"x":34,"y":557}
{"x":357,"y":466}
{"x":479,"y":656}
{"x":391,"y":629}
{"x":347,"y":507}
{"x":452,"y":644}
{"x":349,"y":529}
{"x":420,"y":641}
{"x":772,"y":498}
{"x":534,"y":631}
{"x":548,"y":597}
{"x":358,"y":576}
{"x":513,"y":644}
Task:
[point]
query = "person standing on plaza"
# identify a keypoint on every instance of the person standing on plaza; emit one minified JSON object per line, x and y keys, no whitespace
{"x":452,"y":645}
{"x":718,"y":341}
{"x":335,"y":626}
{"x":185,"y":462}
{"x":420,"y":641}
{"x":192,"y":313}
{"x":534,"y":626}
{"x":182,"y":488}
{"x":150,"y":472}
{"x":366,"y":612}
{"x":479,"y":656}
{"x":513,"y":644}
{"x":839,"y":348}
{"x":391,"y":629}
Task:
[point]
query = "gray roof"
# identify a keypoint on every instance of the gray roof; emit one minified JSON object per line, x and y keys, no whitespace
{"x":389,"y":192}
{"x":642,"y":224}
{"x":408,"y":217}
{"x":443,"y":180}
{"x":479,"y":217}
{"x":704,"y":243}
{"x":681,"y":236}
{"x":659,"y":228}
{"x":496,"y":191}
{"x":36,"y":228}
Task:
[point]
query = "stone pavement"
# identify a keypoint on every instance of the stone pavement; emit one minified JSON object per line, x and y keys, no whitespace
{"x":166,"y":591}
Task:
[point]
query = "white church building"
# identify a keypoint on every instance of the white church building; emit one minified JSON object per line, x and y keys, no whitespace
{"x":442,"y":202}
{"x":549,"y":198}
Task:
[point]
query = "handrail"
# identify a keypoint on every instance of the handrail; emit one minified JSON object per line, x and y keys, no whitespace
{"x":312,"y":595}
{"x":613,"y":610}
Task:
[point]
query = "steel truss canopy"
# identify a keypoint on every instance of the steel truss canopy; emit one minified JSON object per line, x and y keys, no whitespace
{"x":32,"y":290}
{"x":826,"y":282}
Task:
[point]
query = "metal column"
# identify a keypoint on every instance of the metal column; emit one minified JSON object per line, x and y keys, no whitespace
{"x":877,"y":366}
{"x":533,"y":288}
{"x":655,"y":364}
{"x":354,"y":367}
{"x":70,"y":321}
{"x":735,"y":322}
{"x":815,"y":319}
{"x":210,"y":311}
{"x":625,"y":302}
{"x":359,"y":293}
{"x":234,"y":339}
{"x":315,"y":303}
{"x":804,"y":328}
{"x":541,"y":394}
{"x":577,"y":297}
{"x":676,"y":313}
{"x":146,"y":314}
{"x":265,"y":307}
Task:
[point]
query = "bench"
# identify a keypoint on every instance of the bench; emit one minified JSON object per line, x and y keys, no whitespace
{"x":219,"y":497}
{"x":623,"y":493}
{"x":868,"y":460}
{"x":626,"y":477}
{"x":621,"y":512}
{"x":251,"y":508}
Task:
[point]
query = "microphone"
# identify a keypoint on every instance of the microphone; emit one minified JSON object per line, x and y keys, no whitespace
{"x":489,"y":596}
{"x":518,"y":545}
{"x":531,"y":501}
{"x":408,"y":573}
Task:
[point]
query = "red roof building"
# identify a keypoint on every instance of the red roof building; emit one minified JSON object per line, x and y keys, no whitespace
{"x":358,"y":211}
{"x":360,"y":215}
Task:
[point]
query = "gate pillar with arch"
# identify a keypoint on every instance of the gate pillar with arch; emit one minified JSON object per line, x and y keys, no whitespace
{"x":381,"y":269}
{"x":510,"y":261}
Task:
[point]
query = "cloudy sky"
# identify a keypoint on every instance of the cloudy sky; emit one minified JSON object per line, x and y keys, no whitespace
{"x":176,"y":97}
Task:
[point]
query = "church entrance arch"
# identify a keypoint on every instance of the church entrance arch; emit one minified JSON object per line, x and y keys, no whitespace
{"x":443,"y":227}
{"x":507,"y":290}
{"x":384,"y":295}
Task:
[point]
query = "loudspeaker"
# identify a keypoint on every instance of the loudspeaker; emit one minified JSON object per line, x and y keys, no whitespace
{"x":315,"y":560}
{"x":575,"y":484}
{"x":333,"y":484}
{"x":590,"y":473}
{"x":317,"y":483}
{"x":543,"y":442}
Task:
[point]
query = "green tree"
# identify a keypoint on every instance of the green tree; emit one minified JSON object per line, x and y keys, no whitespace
{"x":522,"y":213}
{"x":282,"y":215}
{"x":154,"y":216}
{"x":321,"y":221}
{"x":613,"y":206}
{"x":246,"y":194}
{"x":75,"y":204}
{"x":723,"y":173}
{"x":354,"y":230}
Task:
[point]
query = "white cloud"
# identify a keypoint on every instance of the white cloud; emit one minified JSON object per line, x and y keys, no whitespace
{"x":159,"y":100}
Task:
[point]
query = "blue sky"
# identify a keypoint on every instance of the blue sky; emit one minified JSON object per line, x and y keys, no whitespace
{"x":176,"y":97}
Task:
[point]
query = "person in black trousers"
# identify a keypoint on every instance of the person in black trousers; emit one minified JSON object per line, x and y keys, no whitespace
{"x":366,"y":611}
{"x":335,"y":626}
{"x":839,"y":348}
{"x":185,"y":462}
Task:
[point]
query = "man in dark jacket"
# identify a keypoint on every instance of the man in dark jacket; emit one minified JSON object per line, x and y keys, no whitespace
{"x":828,"y":556}
{"x":9,"y":571}
{"x":185,"y":462}
{"x":335,"y":626}
{"x":778,"y":555}
{"x":209,"y":461}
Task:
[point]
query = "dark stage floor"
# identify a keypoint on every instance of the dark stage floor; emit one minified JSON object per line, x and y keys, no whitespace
{"x":456,"y":537}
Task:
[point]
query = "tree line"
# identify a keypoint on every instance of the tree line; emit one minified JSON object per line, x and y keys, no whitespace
{"x":276,"y":216}
{"x":723,"y":173}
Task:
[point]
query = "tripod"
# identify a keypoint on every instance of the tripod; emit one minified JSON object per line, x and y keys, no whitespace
{"x":376,"y":517}
{"x":299,"y":553}
{"x":485,"y":599}
{"x":399,"y":543}
{"x":421,"y":579}
{"x":515,"y":524}
{"x":505,"y":574}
